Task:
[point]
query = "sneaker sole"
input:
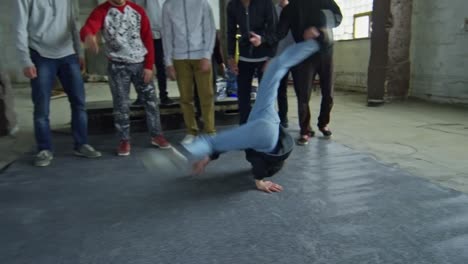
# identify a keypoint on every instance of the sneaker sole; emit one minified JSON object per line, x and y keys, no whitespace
{"x":123,"y":154}
{"x":44,"y":164}
{"x":84,"y":156}
{"x":302,"y":143}
{"x":325,"y":133}
{"x":161,"y":147}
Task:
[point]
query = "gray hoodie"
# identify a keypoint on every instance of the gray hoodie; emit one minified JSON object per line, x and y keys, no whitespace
{"x":48,"y":27}
{"x":153,"y":9}
{"x":188,"y":30}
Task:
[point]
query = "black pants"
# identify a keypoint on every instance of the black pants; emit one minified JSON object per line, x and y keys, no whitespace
{"x":160,"y":68}
{"x":283,"y":99}
{"x":304,"y":75}
{"x":244,"y":84}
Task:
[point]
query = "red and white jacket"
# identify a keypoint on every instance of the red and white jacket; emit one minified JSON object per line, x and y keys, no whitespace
{"x":126,"y":30}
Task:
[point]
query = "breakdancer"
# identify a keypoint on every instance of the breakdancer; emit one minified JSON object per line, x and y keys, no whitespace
{"x":267,"y":144}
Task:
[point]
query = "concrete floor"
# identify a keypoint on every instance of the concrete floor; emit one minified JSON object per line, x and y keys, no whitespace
{"x":361,"y":197}
{"x":338,"y":206}
{"x":425,"y":139}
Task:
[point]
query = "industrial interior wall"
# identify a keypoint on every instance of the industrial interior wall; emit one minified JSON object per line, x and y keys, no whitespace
{"x":9,"y":58}
{"x":351,"y":62}
{"x":439,"y":53}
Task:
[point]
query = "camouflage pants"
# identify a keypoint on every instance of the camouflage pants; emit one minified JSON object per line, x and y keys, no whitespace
{"x":121,"y":75}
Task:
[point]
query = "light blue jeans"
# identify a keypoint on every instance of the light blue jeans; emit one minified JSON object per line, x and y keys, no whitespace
{"x":261,"y":131}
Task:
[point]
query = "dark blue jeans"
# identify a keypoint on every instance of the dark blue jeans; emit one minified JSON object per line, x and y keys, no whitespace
{"x":261,"y":131}
{"x":68,"y":71}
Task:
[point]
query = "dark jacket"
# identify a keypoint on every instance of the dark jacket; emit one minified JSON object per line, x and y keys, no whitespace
{"x":299,"y":15}
{"x":260,"y":17}
{"x":267,"y":164}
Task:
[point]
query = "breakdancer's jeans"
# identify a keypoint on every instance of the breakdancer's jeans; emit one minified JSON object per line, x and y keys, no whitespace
{"x":261,"y":131}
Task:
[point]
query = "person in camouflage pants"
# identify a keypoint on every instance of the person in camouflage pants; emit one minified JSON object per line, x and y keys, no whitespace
{"x":130,"y":50}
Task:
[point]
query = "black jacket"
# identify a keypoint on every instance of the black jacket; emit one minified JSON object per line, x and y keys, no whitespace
{"x":267,"y":164}
{"x":260,"y":17}
{"x":299,"y":15}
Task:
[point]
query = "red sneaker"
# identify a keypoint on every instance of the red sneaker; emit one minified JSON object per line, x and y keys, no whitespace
{"x":161,"y":142}
{"x":124,"y":148}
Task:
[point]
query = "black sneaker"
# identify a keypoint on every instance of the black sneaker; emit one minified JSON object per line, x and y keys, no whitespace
{"x":325,"y":131}
{"x":167,"y":101}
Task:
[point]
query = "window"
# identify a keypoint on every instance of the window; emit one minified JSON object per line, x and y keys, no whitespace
{"x":362,"y":25}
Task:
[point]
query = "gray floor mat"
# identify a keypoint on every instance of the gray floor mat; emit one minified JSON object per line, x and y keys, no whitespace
{"x":339,"y":206}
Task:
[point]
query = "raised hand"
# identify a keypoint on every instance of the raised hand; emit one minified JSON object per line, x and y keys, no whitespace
{"x":255,"y":39}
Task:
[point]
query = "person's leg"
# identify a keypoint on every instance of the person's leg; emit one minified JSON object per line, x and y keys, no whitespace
{"x":161,"y":72}
{"x":69,"y":73}
{"x":147,"y":92}
{"x":41,"y":91}
{"x":206,"y":96}
{"x":260,"y":135}
{"x":119,"y":83}
{"x":214,"y":75}
{"x":260,"y":67}
{"x":258,"y":72}
{"x":185,"y":76}
{"x":303,"y":77}
{"x":283,"y":100}
{"x":244,"y":88}
{"x":196,"y":99}
{"x":326,"y":86}
{"x":262,"y":128}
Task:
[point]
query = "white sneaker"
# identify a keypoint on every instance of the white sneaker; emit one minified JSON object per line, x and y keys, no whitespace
{"x":43,"y":158}
{"x":188,"y":139}
{"x":13,"y":131}
{"x":253,"y":95}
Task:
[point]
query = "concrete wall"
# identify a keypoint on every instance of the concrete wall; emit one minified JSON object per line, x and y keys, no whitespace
{"x":351,"y":60}
{"x":440,"y":51}
{"x":8,"y":53}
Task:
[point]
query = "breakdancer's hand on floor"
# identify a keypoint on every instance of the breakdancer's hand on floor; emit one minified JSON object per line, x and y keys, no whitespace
{"x":268,"y":186}
{"x":199,"y":166}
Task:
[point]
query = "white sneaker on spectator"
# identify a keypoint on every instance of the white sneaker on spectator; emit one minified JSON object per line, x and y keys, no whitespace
{"x":188,"y":139}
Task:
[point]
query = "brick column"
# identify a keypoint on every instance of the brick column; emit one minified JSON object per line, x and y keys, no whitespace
{"x":377,"y":73}
{"x":398,"y":75}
